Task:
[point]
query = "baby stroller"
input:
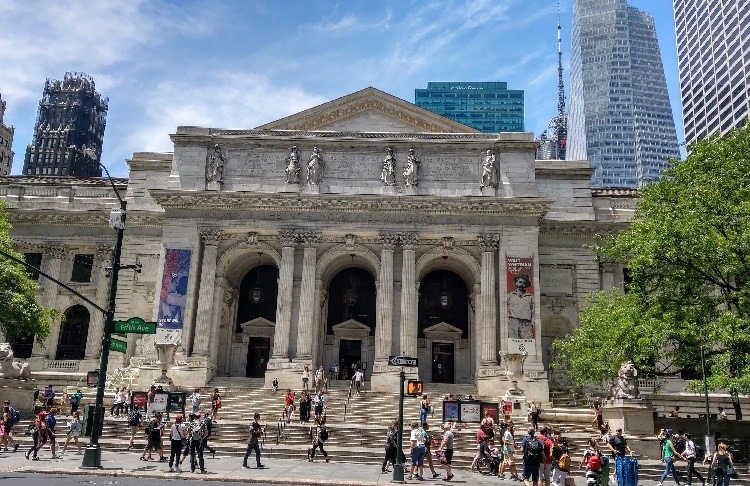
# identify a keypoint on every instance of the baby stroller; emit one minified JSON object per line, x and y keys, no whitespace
{"x":488,"y":465}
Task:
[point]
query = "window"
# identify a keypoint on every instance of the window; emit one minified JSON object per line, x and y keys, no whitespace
{"x":82,"y":268}
{"x":35,"y":260}
{"x":74,"y":332}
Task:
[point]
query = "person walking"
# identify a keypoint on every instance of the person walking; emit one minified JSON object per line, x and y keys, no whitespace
{"x":253,"y":441}
{"x":691,"y":453}
{"x":38,"y":436}
{"x":75,"y":401}
{"x":509,"y":448}
{"x":289,"y":405}
{"x":668,"y":454}
{"x":209,"y":424}
{"x":305,"y":378}
{"x":533,"y":415}
{"x":318,"y":436}
{"x":11,"y":417}
{"x":359,"y":377}
{"x":721,"y":463}
{"x":135,"y":420}
{"x":319,"y":379}
{"x":560,"y":461}
{"x":424,"y":407}
{"x":215,"y":404}
{"x":51,"y":434}
{"x":154,"y":431}
{"x":620,"y":449}
{"x":391,"y":446}
{"x":592,"y":459}
{"x":428,"y":443}
{"x":75,"y":426}
{"x":446,"y":448}
{"x":195,"y":400}
{"x":176,"y":438}
{"x":533,"y":456}
{"x":417,"y":451}
{"x":197,"y":432}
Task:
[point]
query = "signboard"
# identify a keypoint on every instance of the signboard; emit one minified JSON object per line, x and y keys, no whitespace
{"x":450,"y":411}
{"x":402,"y":361}
{"x":135,"y":325}
{"x":507,"y":407}
{"x":492,"y":409}
{"x":414,"y":387}
{"x":92,"y":378}
{"x":520,"y":297}
{"x":117,"y":345}
{"x":173,"y":294}
{"x":176,"y":402}
{"x":471,"y":412}
{"x":160,"y":402}
{"x":139,"y":400}
{"x":521,"y":346}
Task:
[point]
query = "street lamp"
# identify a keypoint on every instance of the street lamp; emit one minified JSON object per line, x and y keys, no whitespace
{"x":705,"y":393}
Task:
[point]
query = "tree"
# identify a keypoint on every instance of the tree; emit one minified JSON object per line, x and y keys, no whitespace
{"x":687,"y":252}
{"x":20,"y":314}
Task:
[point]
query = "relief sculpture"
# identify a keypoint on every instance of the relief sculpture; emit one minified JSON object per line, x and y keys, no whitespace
{"x":411,"y":170}
{"x":388,"y":172}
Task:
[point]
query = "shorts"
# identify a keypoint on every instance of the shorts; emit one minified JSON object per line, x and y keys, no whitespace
{"x":417,"y":456}
{"x":74,"y":434}
{"x":531,"y":471}
{"x":153,"y":444}
{"x":133,"y":430}
{"x":545,"y":471}
{"x":508,"y":459}
{"x":448,"y":456}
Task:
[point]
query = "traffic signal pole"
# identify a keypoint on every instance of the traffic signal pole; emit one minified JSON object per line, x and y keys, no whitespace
{"x":398,"y":467}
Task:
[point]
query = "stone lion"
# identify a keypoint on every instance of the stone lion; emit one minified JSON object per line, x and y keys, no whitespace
{"x":627,"y":383}
{"x":9,"y":368}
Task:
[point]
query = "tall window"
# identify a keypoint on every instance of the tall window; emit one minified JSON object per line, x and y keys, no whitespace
{"x":74,"y":333}
{"x":35,"y":260}
{"x":82,"y":268}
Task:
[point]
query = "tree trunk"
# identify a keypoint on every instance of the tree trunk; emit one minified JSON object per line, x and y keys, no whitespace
{"x":736,"y":404}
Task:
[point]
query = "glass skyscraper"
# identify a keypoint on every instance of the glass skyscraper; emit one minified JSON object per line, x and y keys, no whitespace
{"x":713,"y":54}
{"x":487,"y":106}
{"x":620,"y":116}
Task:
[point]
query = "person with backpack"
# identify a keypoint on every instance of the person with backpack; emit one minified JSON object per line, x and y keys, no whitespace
{"x":135,"y":420}
{"x":209,"y":425}
{"x":560,"y":461}
{"x":318,"y":437}
{"x":693,"y":453}
{"x":668,"y":452}
{"x":75,"y":401}
{"x":391,"y":446}
{"x":75,"y":427}
{"x":533,"y":457}
{"x":197,"y":433}
{"x":11,"y":417}
{"x":594,"y":462}
{"x":153,"y":431}
{"x":176,"y":438}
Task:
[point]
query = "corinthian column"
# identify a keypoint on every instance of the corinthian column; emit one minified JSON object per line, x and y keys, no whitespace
{"x":204,"y":316}
{"x":51,"y":263}
{"x":409,"y":296}
{"x":310,"y":240}
{"x":284,"y":300}
{"x":488,"y":306}
{"x":384,"y":329}
{"x":96,"y":325}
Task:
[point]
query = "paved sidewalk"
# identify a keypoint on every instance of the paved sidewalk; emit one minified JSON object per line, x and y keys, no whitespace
{"x":229,"y":468}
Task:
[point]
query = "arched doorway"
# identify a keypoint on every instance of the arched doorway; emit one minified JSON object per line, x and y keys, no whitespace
{"x":350,"y":323}
{"x":74,"y":333}
{"x":443,"y":322}
{"x":553,"y":328}
{"x":256,"y":315}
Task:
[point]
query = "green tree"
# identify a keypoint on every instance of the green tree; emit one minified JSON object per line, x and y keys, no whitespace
{"x":687,"y":252}
{"x":20,"y":314}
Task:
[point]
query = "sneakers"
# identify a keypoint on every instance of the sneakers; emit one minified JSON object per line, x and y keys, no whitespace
{"x":245,"y":466}
{"x":409,"y":477}
{"x":15,"y":448}
{"x":328,"y":459}
{"x":171,"y":469}
{"x":435,"y":475}
{"x":260,"y":466}
{"x":203,"y":471}
{"x":660,"y":484}
{"x":178,"y":469}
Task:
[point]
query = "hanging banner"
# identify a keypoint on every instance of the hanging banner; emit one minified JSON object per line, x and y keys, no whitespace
{"x":173,"y":296}
{"x":520,"y":299}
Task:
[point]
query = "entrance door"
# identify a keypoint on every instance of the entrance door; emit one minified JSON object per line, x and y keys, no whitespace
{"x":442,"y":363}
{"x":350,"y":351}
{"x":257,"y":356}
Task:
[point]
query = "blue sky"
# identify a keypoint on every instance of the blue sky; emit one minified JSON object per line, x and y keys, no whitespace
{"x":243,"y":63}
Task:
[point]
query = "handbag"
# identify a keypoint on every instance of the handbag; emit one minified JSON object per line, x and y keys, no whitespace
{"x":731,"y":471}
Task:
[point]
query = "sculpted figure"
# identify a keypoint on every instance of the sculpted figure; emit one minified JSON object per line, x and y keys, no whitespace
{"x":411,"y":171}
{"x":314,"y":167}
{"x":489,"y":171}
{"x":9,"y":368}
{"x":292,"y":167}
{"x":215,"y":169}
{"x":627,"y":383}
{"x":388,"y":172}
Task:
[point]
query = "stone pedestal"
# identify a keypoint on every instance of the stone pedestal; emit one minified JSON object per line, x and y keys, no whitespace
{"x":20,"y":394}
{"x":633,"y":416}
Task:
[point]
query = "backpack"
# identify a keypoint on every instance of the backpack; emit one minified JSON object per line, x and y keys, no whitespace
{"x":595,"y":463}
{"x":15,"y":416}
{"x":151,"y":427}
{"x":534,"y":449}
{"x":134,"y":418}
{"x":564,"y":462}
{"x":323,"y":434}
{"x":679,"y":444}
{"x":699,"y":452}
{"x":196,"y":432}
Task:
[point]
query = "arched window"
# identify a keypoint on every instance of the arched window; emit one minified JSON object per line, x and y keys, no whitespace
{"x":443,"y":297}
{"x":74,"y":333}
{"x":258,"y":294}
{"x":352,"y":295}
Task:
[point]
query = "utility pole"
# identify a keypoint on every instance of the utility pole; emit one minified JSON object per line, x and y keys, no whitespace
{"x":398,"y":467}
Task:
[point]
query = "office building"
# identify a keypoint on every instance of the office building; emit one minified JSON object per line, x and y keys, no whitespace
{"x":713,"y":55}
{"x":69,"y":129}
{"x":620,"y":116}
{"x":6,"y":142}
{"x":489,"y":107}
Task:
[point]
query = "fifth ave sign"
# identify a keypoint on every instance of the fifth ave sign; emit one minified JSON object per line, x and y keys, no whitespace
{"x":402,"y":361}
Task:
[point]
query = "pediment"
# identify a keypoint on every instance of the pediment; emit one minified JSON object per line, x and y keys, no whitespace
{"x":442,"y":330}
{"x":258,"y":327}
{"x":368,"y":110}
{"x":351,"y":328}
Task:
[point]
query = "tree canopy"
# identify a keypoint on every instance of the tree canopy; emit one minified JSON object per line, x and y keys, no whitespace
{"x":687,"y":254}
{"x":20,"y":314}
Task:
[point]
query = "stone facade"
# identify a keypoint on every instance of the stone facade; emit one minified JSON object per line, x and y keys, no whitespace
{"x":364,"y":270}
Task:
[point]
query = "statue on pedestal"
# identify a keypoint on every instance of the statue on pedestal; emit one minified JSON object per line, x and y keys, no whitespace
{"x":9,"y":368}
{"x":627,"y":383}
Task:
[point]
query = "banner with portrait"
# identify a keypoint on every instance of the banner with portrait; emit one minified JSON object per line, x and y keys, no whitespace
{"x":173,"y":295}
{"x":520,"y":298}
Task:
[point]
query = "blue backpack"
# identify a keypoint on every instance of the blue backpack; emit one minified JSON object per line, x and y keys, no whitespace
{"x":15,"y":416}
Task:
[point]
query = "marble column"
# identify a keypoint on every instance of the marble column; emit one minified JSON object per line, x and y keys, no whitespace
{"x":204,"y":315}
{"x":101,"y":283}
{"x":310,"y":241}
{"x":409,"y":297}
{"x":51,"y":265}
{"x":218,"y":327}
{"x":384,"y":328}
{"x":488,"y":306}
{"x":284,"y":301}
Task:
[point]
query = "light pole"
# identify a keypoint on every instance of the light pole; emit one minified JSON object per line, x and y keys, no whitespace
{"x":398,"y":467}
{"x":705,"y":393}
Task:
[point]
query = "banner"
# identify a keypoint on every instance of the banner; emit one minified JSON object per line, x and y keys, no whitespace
{"x":471,"y":412}
{"x":139,"y":400}
{"x":160,"y":402}
{"x":173,"y":296}
{"x":176,"y":402}
{"x":520,"y":298}
{"x":491,"y":409}
{"x":450,"y":411}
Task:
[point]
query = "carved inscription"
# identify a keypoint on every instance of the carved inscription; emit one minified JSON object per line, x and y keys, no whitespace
{"x":255,"y":164}
{"x":363,"y":167}
{"x":453,"y":169}
{"x":556,"y":280}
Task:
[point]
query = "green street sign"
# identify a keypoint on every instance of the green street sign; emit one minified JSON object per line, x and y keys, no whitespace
{"x":117,"y":345}
{"x":135,"y":325}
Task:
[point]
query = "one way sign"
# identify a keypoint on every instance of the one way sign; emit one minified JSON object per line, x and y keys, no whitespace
{"x":402,"y":361}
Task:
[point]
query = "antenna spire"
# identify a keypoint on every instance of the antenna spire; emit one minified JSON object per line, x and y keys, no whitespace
{"x":560,"y":85}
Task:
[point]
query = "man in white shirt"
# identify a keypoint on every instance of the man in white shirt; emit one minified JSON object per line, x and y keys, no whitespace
{"x":195,"y":400}
{"x":358,"y":378}
{"x":691,"y":454}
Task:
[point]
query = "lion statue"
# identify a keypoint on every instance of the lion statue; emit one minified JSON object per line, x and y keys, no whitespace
{"x":627,"y":384}
{"x":10,"y":368}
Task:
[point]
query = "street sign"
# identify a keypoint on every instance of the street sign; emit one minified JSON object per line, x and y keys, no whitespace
{"x":135,"y":325}
{"x":402,"y":361}
{"x":117,"y":345}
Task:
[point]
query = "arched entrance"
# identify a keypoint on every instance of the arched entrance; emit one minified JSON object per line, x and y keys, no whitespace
{"x":350,"y":322}
{"x":74,"y":333}
{"x":553,"y":328}
{"x":256,"y":317}
{"x":444,"y":323}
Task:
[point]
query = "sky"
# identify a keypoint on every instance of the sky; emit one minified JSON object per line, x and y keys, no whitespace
{"x":244,"y":63}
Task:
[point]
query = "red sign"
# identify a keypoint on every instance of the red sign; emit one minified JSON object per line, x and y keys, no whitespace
{"x":507,"y":407}
{"x":139,"y":400}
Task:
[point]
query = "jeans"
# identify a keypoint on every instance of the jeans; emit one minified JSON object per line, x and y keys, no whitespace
{"x":250,"y":448}
{"x":175,"y":447}
{"x":196,"y":448}
{"x":422,"y":415}
{"x":669,"y":467}
{"x":317,"y":445}
{"x":206,"y":447}
{"x":691,"y":470}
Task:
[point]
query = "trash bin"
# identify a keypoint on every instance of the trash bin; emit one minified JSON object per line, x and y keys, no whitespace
{"x":88,"y":420}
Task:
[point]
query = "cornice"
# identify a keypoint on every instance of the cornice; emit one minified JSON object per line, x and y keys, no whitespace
{"x":340,"y":203}
{"x":579,"y":229}
{"x":80,"y":218}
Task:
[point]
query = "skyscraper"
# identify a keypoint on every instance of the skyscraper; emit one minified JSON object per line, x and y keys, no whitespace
{"x":69,"y":129}
{"x":552,"y":144}
{"x":6,"y":142}
{"x":486,"y":106}
{"x":713,"y":55}
{"x":620,"y":115}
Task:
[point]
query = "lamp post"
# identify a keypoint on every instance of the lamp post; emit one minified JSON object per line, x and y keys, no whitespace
{"x":705,"y":393}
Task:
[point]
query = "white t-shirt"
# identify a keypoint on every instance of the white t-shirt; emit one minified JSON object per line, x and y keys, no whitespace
{"x":358,"y":376}
{"x":417,"y":435}
{"x":509,"y":444}
{"x":177,"y":432}
{"x":690,"y":449}
{"x":305,"y":374}
{"x":195,"y":399}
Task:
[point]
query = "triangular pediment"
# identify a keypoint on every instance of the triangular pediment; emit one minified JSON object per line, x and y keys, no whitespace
{"x":443,"y":330}
{"x":368,"y":110}
{"x":351,"y":325}
{"x":259,"y":326}
{"x":442,"y":327}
